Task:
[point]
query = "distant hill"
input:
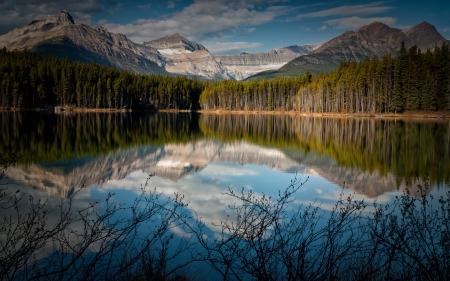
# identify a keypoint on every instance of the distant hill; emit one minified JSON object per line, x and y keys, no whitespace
{"x":244,"y":65}
{"x":375,"y":39}
{"x":289,"y":70}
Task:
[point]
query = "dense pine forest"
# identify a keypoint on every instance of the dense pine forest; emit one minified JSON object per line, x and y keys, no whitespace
{"x":28,"y":80}
{"x":411,"y":81}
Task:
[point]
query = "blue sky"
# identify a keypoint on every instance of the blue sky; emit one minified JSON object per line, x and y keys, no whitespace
{"x":233,"y":26}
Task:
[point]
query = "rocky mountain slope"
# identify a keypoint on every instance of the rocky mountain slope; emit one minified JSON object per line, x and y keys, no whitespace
{"x":244,"y":65}
{"x":187,"y":58}
{"x":59,"y":35}
{"x":375,"y":39}
{"x":425,"y":36}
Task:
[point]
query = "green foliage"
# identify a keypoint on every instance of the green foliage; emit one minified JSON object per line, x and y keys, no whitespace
{"x":29,"y":80}
{"x":412,"y":81}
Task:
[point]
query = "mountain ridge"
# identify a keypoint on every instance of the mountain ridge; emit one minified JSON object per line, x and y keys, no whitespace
{"x":186,"y":57}
{"x":375,"y":39}
{"x":244,"y":65}
{"x":175,"y":41}
{"x":59,"y":35}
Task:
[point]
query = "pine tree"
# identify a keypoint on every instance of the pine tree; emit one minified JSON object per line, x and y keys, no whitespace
{"x":399,"y":94}
{"x":429,"y":94}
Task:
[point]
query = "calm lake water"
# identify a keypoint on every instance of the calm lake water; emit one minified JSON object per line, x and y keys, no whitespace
{"x":201,"y":156}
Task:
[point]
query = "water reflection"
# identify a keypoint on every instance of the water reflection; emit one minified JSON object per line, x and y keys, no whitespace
{"x":61,"y":153}
{"x":201,"y":156}
{"x":398,"y":147}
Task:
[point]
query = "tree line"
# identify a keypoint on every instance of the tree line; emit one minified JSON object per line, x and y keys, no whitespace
{"x":411,"y":81}
{"x":28,"y":80}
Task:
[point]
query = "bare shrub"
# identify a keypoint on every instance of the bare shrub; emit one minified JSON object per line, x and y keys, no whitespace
{"x":98,"y":242}
{"x":269,"y":238}
{"x":414,"y":235}
{"x":272,"y":240}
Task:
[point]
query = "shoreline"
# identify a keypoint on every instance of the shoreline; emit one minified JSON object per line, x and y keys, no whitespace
{"x":60,"y":109}
{"x":390,"y":115}
{"x":405,"y":115}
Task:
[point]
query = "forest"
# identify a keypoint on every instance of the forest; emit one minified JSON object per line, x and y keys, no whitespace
{"x":411,"y":81}
{"x":28,"y":80}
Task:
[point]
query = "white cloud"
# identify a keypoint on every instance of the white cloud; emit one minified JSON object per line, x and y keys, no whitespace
{"x":204,"y":19}
{"x":80,"y":17}
{"x":351,"y":16}
{"x":356,"y":22}
{"x":220,"y":48}
{"x":144,"y":6}
{"x":366,"y":9}
{"x":102,"y":22}
{"x":170,"y":4}
{"x":226,"y":169}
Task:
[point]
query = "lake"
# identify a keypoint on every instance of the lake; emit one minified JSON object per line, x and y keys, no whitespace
{"x":203,"y":155}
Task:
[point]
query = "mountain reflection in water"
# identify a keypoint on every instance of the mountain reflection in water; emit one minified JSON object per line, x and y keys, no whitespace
{"x":61,"y":153}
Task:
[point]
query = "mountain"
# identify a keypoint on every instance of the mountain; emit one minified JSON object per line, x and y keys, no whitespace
{"x":425,"y":36}
{"x":244,"y":65}
{"x":375,"y":39}
{"x":60,"y":36}
{"x":174,"y":44}
{"x":187,"y":58}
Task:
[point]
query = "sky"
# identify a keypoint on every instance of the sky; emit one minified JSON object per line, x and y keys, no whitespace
{"x":233,"y":26}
